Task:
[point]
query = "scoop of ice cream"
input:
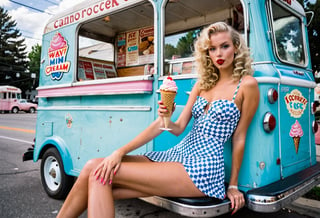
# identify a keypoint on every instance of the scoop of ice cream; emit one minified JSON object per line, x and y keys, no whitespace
{"x":57,"y":42}
{"x":169,"y":85}
{"x":296,"y":130}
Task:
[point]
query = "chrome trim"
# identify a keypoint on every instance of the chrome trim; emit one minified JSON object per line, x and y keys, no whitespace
{"x":265,"y":79}
{"x":181,"y":76}
{"x":95,"y":108}
{"x":313,"y":127}
{"x":266,"y":119}
{"x":189,"y":210}
{"x":268,"y":204}
{"x":285,"y":80}
{"x":270,"y":95}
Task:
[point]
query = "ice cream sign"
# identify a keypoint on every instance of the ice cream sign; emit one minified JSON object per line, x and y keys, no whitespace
{"x":57,"y":52}
{"x":296,"y":133}
{"x":296,"y":103}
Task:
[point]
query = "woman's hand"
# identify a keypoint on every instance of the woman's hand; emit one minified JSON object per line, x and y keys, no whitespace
{"x":108,"y":167}
{"x":162,"y":110}
{"x":236,"y":198}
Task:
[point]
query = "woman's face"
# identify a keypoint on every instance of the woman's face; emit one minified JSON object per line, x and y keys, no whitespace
{"x":221,"y":51}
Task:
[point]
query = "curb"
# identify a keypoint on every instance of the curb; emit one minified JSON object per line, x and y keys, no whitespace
{"x":305,"y":206}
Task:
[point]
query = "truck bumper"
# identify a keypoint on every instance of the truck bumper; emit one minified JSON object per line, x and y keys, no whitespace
{"x":28,"y":155}
{"x":266,"y":199}
{"x":277,"y":195}
{"x":192,"y":207}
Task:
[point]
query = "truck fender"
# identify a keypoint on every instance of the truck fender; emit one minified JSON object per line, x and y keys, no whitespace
{"x":60,"y":145}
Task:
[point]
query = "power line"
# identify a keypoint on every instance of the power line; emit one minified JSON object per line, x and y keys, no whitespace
{"x":27,"y":6}
{"x":51,"y":2}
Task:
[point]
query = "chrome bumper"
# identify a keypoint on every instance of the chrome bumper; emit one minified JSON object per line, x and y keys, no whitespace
{"x":275,"y":196}
{"x":191,"y":207}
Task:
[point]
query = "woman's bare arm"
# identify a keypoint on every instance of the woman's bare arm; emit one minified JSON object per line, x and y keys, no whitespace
{"x":249,"y":106}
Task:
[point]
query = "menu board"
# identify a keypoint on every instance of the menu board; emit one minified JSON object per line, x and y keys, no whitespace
{"x":135,"y":47}
{"x":89,"y":70}
{"x":110,"y":71}
{"x":85,"y":71}
{"x":132,"y":53}
{"x":121,"y":54}
{"x":146,"y":45}
{"x":99,"y":71}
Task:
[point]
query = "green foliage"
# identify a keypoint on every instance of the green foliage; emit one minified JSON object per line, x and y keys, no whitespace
{"x":313,"y":193}
{"x":13,"y":57}
{"x":184,"y":47}
{"x":34,"y":63}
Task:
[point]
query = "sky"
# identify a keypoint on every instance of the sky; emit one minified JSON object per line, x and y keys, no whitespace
{"x":32,"y":15}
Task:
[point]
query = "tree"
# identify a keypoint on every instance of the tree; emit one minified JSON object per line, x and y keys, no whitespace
{"x":184,"y":47}
{"x":13,"y":62}
{"x":314,"y":35}
{"x":34,"y":64}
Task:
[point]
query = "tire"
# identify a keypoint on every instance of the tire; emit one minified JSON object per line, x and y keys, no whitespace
{"x":15,"y":110}
{"x":55,"y":182}
{"x":32,"y":110}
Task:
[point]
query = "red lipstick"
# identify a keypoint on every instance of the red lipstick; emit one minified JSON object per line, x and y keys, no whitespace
{"x":220,"y":61}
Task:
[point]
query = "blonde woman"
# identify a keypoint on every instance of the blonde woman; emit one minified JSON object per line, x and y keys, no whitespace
{"x":222,"y":103}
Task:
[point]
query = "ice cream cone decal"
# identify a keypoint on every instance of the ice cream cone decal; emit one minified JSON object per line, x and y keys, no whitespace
{"x":296,"y":141}
{"x":296,"y":133}
{"x":57,"y":53}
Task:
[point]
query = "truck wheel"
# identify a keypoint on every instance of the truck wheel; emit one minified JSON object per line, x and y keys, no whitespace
{"x":32,"y":110}
{"x":56,"y":183}
{"x":15,"y":110}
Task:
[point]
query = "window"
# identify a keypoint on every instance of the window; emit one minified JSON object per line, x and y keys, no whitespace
{"x":183,"y":25}
{"x":288,"y":35}
{"x":117,"y":45}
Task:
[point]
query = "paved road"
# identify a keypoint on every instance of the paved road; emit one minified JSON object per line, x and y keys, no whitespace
{"x":21,"y":192}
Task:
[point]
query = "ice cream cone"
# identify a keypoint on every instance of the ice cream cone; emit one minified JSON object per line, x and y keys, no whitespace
{"x":296,"y":141}
{"x":167,"y":98}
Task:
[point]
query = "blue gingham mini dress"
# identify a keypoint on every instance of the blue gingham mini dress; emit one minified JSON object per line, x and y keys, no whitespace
{"x":201,"y":151}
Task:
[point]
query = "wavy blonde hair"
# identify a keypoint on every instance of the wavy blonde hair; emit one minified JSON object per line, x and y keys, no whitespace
{"x":208,"y":73}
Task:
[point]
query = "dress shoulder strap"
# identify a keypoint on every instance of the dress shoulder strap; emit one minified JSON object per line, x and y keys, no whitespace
{"x":236,"y":91}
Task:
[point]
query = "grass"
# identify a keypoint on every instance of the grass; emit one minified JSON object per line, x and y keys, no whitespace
{"x":313,"y":193}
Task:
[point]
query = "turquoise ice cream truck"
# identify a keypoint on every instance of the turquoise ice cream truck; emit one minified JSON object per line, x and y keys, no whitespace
{"x":103,"y":61}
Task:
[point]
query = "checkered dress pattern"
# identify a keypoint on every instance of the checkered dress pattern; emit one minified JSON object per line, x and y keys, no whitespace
{"x":201,"y":151}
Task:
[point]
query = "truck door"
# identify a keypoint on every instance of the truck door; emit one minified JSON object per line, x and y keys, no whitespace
{"x":295,"y":89}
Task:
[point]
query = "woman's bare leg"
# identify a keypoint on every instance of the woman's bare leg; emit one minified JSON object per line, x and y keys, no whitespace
{"x":137,"y":179}
{"x":77,"y":200}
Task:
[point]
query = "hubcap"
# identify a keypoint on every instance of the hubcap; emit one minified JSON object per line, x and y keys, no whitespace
{"x":52,"y":173}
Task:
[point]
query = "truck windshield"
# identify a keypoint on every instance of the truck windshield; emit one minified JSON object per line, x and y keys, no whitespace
{"x":288,"y":35}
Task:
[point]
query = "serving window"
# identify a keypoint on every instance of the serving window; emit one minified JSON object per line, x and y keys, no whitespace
{"x":184,"y":20}
{"x":117,"y":45}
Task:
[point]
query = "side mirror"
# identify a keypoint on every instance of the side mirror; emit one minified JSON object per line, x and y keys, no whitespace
{"x":309,"y":15}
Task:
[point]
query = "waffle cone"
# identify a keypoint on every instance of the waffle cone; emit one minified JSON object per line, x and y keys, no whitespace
{"x":296,"y":141}
{"x":167,"y":99}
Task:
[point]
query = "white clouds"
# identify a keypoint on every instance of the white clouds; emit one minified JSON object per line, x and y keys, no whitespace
{"x":4,"y":3}
{"x":31,"y":23}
